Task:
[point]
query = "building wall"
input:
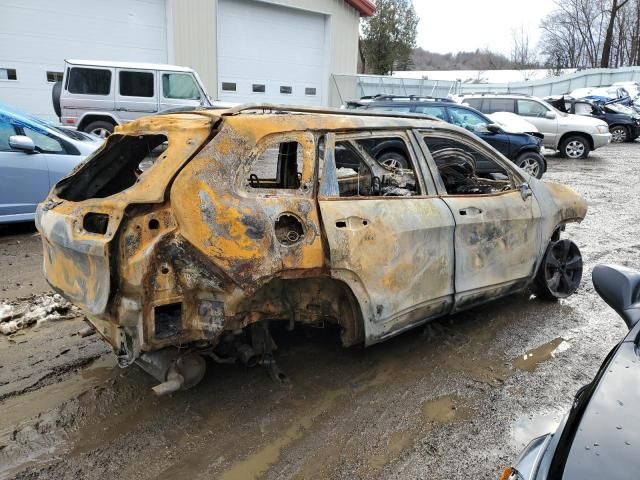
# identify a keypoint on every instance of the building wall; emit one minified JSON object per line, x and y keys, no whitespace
{"x":193,"y":24}
{"x":36,"y":36}
{"x":194,"y":37}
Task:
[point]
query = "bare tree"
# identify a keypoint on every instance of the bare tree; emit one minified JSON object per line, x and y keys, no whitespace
{"x":616,"y":5}
{"x":522,"y":55}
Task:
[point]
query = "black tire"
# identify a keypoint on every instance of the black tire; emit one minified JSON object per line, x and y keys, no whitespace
{"x":574,"y":147}
{"x":393,"y":160}
{"x":55,"y":99}
{"x":531,"y":162}
{"x":619,"y":134}
{"x":560,"y":272}
{"x":100,"y":128}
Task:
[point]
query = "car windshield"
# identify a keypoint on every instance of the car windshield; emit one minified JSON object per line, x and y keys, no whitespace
{"x":35,"y":123}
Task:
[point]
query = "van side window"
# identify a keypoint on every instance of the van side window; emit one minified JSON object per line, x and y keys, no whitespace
{"x":458,"y":165}
{"x":179,"y":86}
{"x":136,"y":84}
{"x":279,"y":166}
{"x":89,"y":81}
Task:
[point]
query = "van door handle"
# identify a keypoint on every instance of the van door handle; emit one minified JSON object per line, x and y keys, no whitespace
{"x":470,"y":211}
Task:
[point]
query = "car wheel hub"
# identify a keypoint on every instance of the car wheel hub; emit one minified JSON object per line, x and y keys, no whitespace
{"x":563,"y":268}
{"x":101,"y":132}
{"x":530,"y":165}
{"x":618,"y":135}
{"x":575,"y":149}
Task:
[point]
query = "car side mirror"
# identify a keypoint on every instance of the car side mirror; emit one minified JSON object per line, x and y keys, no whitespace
{"x":22,"y":143}
{"x":525,"y":190}
{"x":550,"y":115}
{"x":494,"y":128}
{"x":619,"y":287}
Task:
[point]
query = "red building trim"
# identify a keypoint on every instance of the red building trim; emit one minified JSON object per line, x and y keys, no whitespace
{"x":365,"y":7}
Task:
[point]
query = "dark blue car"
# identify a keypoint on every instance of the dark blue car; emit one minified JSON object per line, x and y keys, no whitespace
{"x":523,"y":149}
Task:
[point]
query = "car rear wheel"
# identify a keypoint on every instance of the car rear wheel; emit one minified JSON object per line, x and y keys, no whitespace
{"x":100,"y":128}
{"x":393,"y":160}
{"x":575,"y":147}
{"x":560,"y":273}
{"x":532,"y":163}
{"x":619,"y":134}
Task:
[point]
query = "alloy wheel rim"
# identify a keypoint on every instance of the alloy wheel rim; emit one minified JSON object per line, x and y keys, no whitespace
{"x":575,"y":149}
{"x":618,"y":135}
{"x":101,"y":132}
{"x":530,"y":165}
{"x":563,"y":268}
{"x":392,"y":163}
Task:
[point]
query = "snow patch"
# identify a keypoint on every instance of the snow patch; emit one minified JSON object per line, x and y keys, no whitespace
{"x":32,"y":310}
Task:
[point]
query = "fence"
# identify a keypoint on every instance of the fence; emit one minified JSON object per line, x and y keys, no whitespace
{"x":348,"y":87}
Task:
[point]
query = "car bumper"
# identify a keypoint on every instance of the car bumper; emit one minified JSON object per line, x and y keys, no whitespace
{"x":601,"y":139}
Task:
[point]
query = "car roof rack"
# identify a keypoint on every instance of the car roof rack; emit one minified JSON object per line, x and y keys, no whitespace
{"x":275,"y":108}
{"x":482,"y":94}
{"x":383,"y":96}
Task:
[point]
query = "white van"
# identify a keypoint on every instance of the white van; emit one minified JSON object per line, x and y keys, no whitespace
{"x":95,"y":96}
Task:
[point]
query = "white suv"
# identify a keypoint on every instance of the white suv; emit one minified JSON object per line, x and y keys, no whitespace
{"x":95,"y":96}
{"x":574,"y":136}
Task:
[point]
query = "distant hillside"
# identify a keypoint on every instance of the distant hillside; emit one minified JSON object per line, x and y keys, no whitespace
{"x":479,"y":60}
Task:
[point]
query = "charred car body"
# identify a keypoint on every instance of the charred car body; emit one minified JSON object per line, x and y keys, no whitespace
{"x":188,"y":232}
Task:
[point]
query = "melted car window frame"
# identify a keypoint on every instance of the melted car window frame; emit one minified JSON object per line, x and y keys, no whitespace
{"x":515,"y":178}
{"x":353,"y":137}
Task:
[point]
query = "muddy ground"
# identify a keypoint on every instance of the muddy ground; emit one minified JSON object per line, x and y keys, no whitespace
{"x":455,"y":399}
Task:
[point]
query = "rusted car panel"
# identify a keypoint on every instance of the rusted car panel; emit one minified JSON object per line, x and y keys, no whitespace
{"x":200,"y":249}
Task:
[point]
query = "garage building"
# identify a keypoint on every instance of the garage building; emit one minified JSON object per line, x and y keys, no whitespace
{"x":280,"y":51}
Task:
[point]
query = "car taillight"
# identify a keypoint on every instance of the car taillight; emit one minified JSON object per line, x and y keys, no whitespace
{"x":507,"y":474}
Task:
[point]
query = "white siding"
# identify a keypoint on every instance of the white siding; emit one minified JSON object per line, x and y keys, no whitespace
{"x":272,"y":46}
{"x":37,"y":35}
{"x":195,"y":40}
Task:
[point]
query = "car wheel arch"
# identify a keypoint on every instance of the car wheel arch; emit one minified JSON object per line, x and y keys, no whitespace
{"x":345,"y":297}
{"x":96,"y":117}
{"x":584,"y":135}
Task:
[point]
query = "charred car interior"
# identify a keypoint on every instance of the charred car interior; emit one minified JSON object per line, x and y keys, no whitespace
{"x":187,"y":234}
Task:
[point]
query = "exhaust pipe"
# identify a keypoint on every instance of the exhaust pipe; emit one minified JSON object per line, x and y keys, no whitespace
{"x":247,"y":355}
{"x":174,"y":370}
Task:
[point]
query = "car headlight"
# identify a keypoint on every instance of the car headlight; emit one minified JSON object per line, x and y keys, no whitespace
{"x":602,"y":128}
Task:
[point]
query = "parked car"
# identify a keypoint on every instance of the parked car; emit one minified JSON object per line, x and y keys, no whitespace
{"x":34,"y":155}
{"x":600,"y":435}
{"x":574,"y":136}
{"x":95,"y":96}
{"x":522,"y":148}
{"x":195,"y":230}
{"x":624,"y":123}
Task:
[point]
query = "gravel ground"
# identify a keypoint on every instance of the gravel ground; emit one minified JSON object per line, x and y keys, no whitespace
{"x":456,"y":399}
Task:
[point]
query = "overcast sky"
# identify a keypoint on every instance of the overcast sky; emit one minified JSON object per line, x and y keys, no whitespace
{"x":456,"y":25}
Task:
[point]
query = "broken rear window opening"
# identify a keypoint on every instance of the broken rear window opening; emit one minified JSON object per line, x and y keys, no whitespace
{"x":114,"y":168}
{"x":279,"y":166}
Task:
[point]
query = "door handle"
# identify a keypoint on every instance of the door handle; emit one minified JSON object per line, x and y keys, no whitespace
{"x":353,"y":223}
{"x":470,"y":211}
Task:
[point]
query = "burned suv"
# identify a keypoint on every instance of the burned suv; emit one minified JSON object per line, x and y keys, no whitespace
{"x":186,"y":234}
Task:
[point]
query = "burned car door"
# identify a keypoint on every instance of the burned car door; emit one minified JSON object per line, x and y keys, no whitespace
{"x":389,"y":237}
{"x":498,"y":233}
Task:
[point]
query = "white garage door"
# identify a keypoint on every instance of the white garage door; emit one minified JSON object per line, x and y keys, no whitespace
{"x":269,"y":53}
{"x":37,"y":35}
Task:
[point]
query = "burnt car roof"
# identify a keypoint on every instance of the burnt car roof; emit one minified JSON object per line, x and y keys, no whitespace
{"x":316,"y":117}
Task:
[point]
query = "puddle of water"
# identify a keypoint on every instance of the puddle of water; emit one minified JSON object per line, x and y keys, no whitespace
{"x":534,"y":357}
{"x":528,"y":427}
{"x":445,"y":409}
{"x":20,"y":408}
